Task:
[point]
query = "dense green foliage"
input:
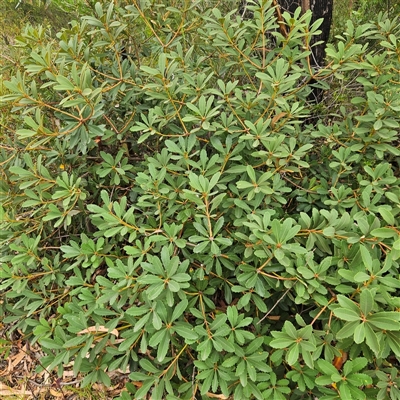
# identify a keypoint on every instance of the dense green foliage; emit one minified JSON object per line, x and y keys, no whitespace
{"x":174,"y":205}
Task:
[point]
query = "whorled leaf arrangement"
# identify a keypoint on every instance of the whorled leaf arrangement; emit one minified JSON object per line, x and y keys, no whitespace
{"x":173,"y":206}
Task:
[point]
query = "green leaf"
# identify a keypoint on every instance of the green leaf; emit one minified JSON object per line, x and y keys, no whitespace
{"x":201,"y":229}
{"x":181,"y":277}
{"x":26,"y":133}
{"x":50,"y":344}
{"x":393,"y":341}
{"x":147,"y":365}
{"x":307,"y":346}
{"x":371,"y":339}
{"x":326,"y":367}
{"x":347,"y":303}
{"x":158,"y":337}
{"x":155,"y":290}
{"x":144,"y":389}
{"x":218,"y":322}
{"x":200,"y":248}
{"x":251,"y":173}
{"x":179,"y":310}
{"x":205,"y":349}
{"x":232,"y":314}
{"x":306,"y":273}
{"x":214,"y":180}
{"x":141,"y":322}
{"x":223,"y":344}
{"x":387,"y":215}
{"x":151,"y":71}
{"x":359,"y":333}
{"x":359,"y":379}
{"x":64,"y":83}
{"x":163,"y":346}
{"x":347,"y":330}
{"x":157,"y":322}
{"x":366,"y":257}
{"x":346,"y":314}
{"x":383,"y":320}
{"x":150,"y":280}
{"x":173,"y":286}
{"x":366,"y":301}
{"x":329,"y":231}
{"x":244,"y":185}
{"x":384,"y":233}
{"x":281,"y":343}
{"x":344,"y":391}
{"x":185,"y":331}
{"x":323,"y":380}
{"x":290,"y":330}
{"x":361,"y":277}
{"x":230,"y":362}
{"x":292,"y":356}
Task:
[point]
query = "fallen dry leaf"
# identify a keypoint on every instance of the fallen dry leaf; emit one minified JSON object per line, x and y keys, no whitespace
{"x":100,"y":328}
{"x":217,"y":396}
{"x":277,"y":118}
{"x":55,"y":393}
{"x":7,"y":391}
{"x":15,"y":360}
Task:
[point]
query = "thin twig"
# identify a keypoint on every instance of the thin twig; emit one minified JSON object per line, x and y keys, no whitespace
{"x":269,"y":312}
{"x":322,"y":310}
{"x":279,"y":18}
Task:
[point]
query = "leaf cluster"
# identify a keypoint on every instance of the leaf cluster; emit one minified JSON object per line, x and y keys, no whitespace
{"x":173,"y":206}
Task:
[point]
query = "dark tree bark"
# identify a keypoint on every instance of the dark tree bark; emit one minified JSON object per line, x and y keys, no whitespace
{"x":320,"y":9}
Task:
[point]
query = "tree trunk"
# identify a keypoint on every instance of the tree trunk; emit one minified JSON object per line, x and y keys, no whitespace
{"x":320,"y":9}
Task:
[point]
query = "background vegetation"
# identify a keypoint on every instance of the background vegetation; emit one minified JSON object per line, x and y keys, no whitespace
{"x":175,"y":210}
